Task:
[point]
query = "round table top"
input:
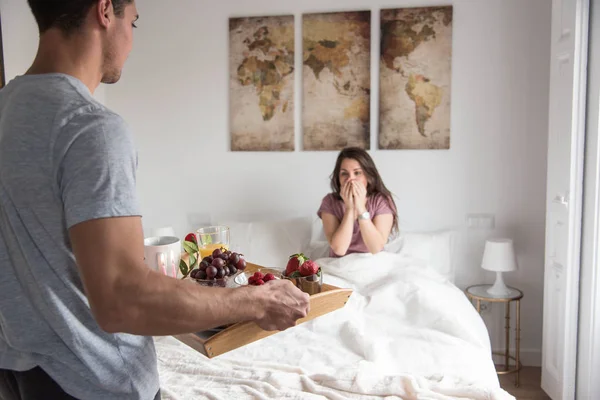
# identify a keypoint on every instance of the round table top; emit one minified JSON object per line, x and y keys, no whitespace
{"x":480,"y":292}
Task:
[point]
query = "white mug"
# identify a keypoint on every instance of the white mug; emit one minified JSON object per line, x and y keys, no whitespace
{"x":162,"y":254}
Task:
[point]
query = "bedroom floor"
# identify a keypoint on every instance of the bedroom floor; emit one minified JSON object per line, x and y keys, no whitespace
{"x":530,"y":384}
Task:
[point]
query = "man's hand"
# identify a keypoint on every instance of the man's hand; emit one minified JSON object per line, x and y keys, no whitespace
{"x":282,"y":304}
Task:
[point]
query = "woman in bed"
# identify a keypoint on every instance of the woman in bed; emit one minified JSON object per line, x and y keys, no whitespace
{"x":360,"y":213}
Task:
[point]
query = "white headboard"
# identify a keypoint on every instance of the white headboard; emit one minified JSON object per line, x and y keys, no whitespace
{"x":270,"y":243}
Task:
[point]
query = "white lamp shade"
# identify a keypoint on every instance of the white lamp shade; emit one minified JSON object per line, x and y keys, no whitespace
{"x":499,"y":255}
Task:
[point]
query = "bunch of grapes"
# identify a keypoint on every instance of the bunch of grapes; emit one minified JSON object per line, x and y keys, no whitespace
{"x":220,"y":264}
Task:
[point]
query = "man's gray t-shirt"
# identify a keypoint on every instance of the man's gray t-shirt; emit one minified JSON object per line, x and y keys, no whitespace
{"x":64,"y":159}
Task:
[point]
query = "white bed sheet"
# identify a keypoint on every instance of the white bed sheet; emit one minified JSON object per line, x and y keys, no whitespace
{"x":405,"y":333}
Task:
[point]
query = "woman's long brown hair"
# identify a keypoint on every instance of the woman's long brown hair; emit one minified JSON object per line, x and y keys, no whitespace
{"x":375,"y":184}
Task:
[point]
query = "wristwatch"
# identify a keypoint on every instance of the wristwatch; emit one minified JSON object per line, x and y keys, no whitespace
{"x":364,"y":215}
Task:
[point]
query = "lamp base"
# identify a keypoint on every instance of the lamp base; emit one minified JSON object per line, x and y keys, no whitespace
{"x":499,"y":288}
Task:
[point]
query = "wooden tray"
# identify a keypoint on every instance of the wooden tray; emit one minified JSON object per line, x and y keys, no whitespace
{"x":212,"y":343}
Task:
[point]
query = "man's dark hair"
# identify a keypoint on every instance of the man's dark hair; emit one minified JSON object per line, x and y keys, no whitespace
{"x":67,"y":15}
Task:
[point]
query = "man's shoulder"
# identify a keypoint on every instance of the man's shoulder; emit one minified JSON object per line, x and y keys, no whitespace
{"x":81,"y":107}
{"x":93,"y":114}
{"x":59,"y":97}
{"x":91,"y":129}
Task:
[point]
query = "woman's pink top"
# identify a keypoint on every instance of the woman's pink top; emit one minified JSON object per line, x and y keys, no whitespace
{"x":376,"y":205}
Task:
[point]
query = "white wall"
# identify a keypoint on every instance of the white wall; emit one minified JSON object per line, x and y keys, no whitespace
{"x":20,"y":40}
{"x":19,"y":37}
{"x":174,"y":93}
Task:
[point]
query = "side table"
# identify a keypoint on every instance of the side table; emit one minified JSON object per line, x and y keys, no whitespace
{"x":479,"y":293}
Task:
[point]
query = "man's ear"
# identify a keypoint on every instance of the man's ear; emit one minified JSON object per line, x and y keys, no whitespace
{"x":104,"y":12}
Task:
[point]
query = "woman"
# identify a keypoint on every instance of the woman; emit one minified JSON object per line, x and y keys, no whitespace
{"x":359,"y":215}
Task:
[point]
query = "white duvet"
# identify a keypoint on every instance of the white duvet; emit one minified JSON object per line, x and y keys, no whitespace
{"x":405,"y":333}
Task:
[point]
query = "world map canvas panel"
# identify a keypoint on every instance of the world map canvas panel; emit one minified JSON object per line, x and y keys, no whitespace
{"x":336,"y":80}
{"x":261,"y":90}
{"x":415,"y":76}
{"x":2,"y":75}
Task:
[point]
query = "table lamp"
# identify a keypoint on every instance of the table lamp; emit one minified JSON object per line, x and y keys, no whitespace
{"x":499,"y":256}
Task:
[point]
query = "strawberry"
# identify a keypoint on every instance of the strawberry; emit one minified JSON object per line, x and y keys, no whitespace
{"x":191,"y":237}
{"x":309,"y":268}
{"x":294,"y":263}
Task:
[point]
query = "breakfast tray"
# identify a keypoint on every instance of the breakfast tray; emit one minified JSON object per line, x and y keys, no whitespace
{"x":214,"y":343}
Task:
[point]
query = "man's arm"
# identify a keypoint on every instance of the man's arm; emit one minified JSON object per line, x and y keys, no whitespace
{"x":125,"y":295}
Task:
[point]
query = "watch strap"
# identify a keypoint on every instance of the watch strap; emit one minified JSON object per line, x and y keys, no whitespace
{"x":365,"y":215}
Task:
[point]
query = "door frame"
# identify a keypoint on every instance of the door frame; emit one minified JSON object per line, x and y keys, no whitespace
{"x":577,"y":168}
{"x":575,"y":200}
{"x":588,"y":352}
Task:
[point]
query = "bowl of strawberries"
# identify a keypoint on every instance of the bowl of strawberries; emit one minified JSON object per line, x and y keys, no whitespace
{"x":304,"y":273}
{"x":257,"y":278}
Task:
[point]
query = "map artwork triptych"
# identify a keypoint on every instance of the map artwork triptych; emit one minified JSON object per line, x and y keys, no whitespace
{"x":414,"y":80}
{"x":2,"y":76}
{"x":261,"y":95}
{"x":336,"y":80}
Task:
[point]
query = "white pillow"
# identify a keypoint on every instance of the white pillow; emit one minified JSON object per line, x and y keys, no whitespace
{"x":318,"y":246}
{"x":317,"y":234}
{"x":435,"y":248}
{"x":270,"y":243}
{"x":316,"y":250}
{"x":394,"y":245}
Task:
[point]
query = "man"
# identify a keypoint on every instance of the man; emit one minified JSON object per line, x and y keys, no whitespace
{"x":77,"y":303}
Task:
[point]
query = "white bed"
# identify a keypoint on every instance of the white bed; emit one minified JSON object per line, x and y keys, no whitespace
{"x":407,"y":332}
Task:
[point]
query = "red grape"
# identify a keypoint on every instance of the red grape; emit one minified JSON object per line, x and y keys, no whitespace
{"x":211,"y":272}
{"x":234,"y":258}
{"x":218,"y":262}
{"x":216,"y":253}
{"x":241,"y":264}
